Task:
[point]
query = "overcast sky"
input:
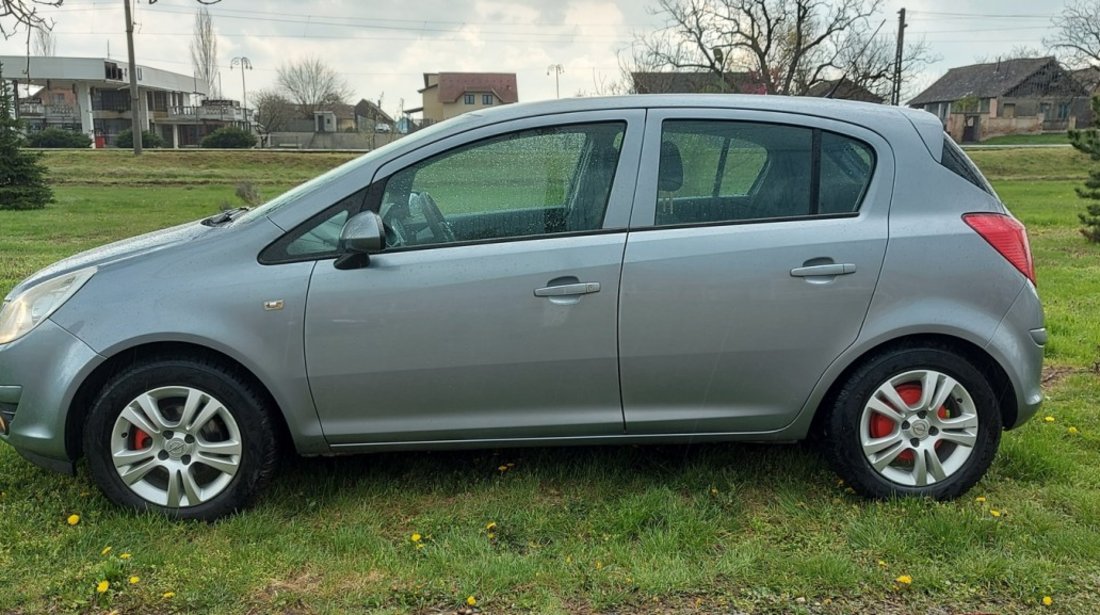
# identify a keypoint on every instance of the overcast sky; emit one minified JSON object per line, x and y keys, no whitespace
{"x":382,"y":47}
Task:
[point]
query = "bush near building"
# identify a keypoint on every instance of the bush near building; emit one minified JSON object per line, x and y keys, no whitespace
{"x":229,"y":137}
{"x":57,"y":137}
{"x":125,"y":139}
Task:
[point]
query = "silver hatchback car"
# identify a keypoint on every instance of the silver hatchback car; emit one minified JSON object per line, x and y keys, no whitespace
{"x":590,"y":271}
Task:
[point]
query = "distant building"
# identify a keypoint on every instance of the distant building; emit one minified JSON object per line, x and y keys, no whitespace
{"x":92,"y":96}
{"x":1024,"y":95}
{"x":843,"y":89}
{"x":446,"y":95}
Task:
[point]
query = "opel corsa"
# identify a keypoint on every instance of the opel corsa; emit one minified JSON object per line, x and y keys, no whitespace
{"x":593,"y":271}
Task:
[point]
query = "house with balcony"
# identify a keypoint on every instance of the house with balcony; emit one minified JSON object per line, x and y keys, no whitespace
{"x":446,"y":95}
{"x":92,"y":96}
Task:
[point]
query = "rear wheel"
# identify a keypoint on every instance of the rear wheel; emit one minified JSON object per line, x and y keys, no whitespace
{"x":184,"y":437}
{"x":914,"y":421}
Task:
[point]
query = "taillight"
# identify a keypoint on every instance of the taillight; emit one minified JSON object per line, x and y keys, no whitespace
{"x":1008,"y":237}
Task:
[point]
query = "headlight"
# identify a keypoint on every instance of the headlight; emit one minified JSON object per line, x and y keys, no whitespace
{"x":28,"y":309}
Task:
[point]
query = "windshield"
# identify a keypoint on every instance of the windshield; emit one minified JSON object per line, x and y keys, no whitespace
{"x":294,"y":194}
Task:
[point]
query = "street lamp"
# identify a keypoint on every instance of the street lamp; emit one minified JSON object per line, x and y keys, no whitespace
{"x":557,"y":69}
{"x":244,"y":63}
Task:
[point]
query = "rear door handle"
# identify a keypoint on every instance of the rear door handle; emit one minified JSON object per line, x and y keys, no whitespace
{"x":829,"y":269}
{"x":562,"y":290}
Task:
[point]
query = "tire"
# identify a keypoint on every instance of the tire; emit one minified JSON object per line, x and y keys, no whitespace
{"x":193,"y":438}
{"x":881,"y":430}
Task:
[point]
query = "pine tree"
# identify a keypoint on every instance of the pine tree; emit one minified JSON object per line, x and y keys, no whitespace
{"x":1088,"y":141}
{"x":22,"y":174}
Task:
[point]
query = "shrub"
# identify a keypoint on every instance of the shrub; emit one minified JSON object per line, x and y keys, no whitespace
{"x":125,"y":139}
{"x":22,"y":174}
{"x":1088,"y":141}
{"x":230,"y":137}
{"x":56,"y":137}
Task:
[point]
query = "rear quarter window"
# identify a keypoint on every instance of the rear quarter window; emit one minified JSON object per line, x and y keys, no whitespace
{"x":960,"y":164}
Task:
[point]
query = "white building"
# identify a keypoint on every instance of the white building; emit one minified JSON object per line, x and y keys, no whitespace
{"x":92,"y":96}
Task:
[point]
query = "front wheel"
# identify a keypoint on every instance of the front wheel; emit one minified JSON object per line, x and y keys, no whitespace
{"x":186,"y":437}
{"x":914,"y":422}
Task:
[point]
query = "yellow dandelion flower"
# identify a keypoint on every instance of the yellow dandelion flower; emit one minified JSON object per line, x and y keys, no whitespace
{"x":1047,"y":601}
{"x":904,"y":579}
{"x":105,"y":550}
{"x":994,"y":512}
{"x":714,"y":490}
{"x":124,"y":556}
{"x":73,"y":519}
{"x":980,"y":499}
{"x":491,"y":525}
{"x":502,"y":468}
{"x":1072,"y":431}
{"x":1048,"y":418}
{"x":102,"y":587}
{"x":883,"y":564}
{"x":470,"y":600}
{"x":599,"y":565}
{"x":168,"y":595}
{"x":415,"y":537}
{"x":134,"y":580}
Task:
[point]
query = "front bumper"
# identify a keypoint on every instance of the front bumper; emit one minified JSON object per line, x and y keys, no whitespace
{"x":39,"y":376}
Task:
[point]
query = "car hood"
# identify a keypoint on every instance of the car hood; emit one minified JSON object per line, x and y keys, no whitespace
{"x":117,"y":251}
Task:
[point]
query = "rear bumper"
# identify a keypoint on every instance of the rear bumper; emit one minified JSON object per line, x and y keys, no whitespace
{"x":39,"y":376}
{"x":1018,"y":344}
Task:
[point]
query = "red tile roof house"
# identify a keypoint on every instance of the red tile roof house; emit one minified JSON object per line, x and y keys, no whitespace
{"x":446,"y":95}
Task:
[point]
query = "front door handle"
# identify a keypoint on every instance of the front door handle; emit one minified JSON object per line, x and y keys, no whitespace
{"x":562,"y":290}
{"x":829,"y":269}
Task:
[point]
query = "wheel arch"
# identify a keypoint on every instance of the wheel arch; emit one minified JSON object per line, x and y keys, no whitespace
{"x":999,"y":380}
{"x":94,"y":382}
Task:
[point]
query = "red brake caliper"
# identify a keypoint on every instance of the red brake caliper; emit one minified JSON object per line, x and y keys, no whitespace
{"x":882,"y":426}
{"x":139,"y":440}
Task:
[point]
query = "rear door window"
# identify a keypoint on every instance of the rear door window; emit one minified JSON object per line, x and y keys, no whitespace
{"x":713,"y":171}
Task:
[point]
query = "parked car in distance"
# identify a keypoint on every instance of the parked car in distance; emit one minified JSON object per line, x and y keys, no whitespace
{"x":639,"y":269}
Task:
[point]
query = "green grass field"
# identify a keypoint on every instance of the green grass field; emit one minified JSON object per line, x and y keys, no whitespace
{"x":685,"y":529}
{"x":1045,"y":138}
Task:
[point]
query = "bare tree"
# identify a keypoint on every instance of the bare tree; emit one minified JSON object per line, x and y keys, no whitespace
{"x":44,"y":42}
{"x":312,"y":85}
{"x":204,"y":52}
{"x":867,"y":61}
{"x":1017,"y":52}
{"x":16,"y":13}
{"x":787,"y":45}
{"x":1078,"y":33}
{"x":273,"y":111}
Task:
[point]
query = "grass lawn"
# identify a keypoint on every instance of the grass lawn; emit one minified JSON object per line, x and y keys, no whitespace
{"x":1045,"y":138}
{"x":681,"y":529}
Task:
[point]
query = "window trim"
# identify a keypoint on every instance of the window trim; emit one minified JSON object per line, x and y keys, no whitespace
{"x":468,"y":99}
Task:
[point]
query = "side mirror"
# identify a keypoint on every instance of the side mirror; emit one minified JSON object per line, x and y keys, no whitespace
{"x":361,"y":236}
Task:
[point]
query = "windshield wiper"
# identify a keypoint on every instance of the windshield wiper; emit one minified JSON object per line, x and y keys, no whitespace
{"x":224,"y":216}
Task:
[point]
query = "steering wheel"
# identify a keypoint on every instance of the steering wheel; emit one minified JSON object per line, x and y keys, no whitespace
{"x":439,"y":226}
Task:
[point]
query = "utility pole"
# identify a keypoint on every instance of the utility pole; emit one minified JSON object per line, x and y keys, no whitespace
{"x":895,"y":97}
{"x":244,"y":63}
{"x":557,"y":69}
{"x":135,"y":114}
